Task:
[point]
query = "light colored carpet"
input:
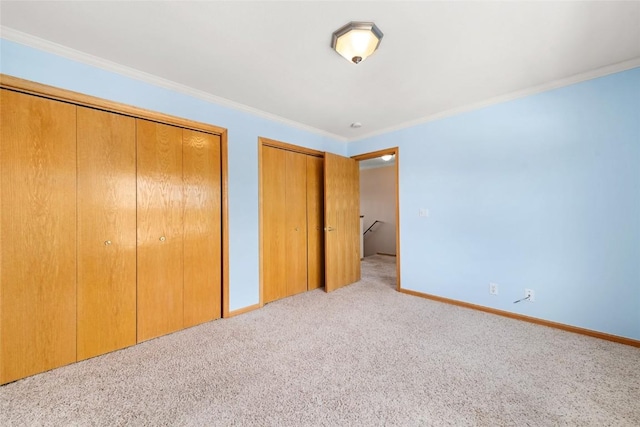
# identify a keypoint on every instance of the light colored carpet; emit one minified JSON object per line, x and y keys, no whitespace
{"x":364,"y":355}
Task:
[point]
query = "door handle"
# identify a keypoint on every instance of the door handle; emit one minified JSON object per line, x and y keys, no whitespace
{"x":329,"y":229}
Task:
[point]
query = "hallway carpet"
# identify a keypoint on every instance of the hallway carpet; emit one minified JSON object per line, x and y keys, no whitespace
{"x":364,"y":355}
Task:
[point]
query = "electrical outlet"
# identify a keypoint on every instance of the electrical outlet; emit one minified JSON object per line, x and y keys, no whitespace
{"x":530,"y":295}
{"x":493,"y":288}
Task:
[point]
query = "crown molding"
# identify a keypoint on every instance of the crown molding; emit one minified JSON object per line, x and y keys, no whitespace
{"x":60,"y":50}
{"x":85,"y":58}
{"x":534,"y":90}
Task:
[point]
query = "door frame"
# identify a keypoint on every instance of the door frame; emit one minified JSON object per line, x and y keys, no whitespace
{"x":396,"y":152}
{"x":266,"y":142}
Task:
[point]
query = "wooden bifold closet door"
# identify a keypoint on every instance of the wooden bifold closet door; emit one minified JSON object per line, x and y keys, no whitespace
{"x":202,"y":227}
{"x":292,"y":219}
{"x":295,"y":217}
{"x":160,"y":219}
{"x":37,"y":234}
{"x":274,"y":235}
{"x":315,"y":222}
{"x":110,"y":226}
{"x":106,"y":232}
{"x":179,"y":228}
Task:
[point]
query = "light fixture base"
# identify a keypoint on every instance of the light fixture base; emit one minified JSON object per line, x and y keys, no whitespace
{"x":356,"y":40}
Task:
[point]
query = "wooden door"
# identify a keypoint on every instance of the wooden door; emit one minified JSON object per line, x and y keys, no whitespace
{"x":159,"y":229}
{"x":106,"y":232}
{"x":38,"y":235}
{"x":274,"y":240}
{"x":315,"y":223}
{"x":202,"y":227}
{"x":342,"y":221}
{"x":295,"y":215}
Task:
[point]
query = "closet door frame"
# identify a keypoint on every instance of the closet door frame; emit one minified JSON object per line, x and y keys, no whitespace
{"x":50,"y":92}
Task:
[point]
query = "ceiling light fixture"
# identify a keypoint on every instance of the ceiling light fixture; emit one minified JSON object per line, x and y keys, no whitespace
{"x":356,"y":40}
{"x":387,"y":157}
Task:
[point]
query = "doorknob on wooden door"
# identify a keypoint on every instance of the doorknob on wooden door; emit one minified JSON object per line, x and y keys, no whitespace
{"x":329,"y":229}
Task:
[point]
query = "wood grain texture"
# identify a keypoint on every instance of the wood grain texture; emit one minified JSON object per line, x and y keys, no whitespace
{"x":81,"y":99}
{"x":159,"y":229}
{"x":342,"y":221}
{"x":202,"y":227}
{"x":224,"y":185}
{"x":315,"y":222}
{"x":62,"y":190}
{"x":398,"y":281}
{"x":352,"y":221}
{"x":274,"y":226}
{"x":106,"y":232}
{"x":290,"y":147}
{"x":38,"y":234}
{"x":295,"y":214}
{"x":261,"y":245}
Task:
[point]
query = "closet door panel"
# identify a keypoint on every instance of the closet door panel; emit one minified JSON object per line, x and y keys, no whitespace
{"x":160,"y":228}
{"x":295,"y":215}
{"x":38,"y":235}
{"x":273,"y":228}
{"x":202,"y":227}
{"x":106,"y":232}
{"x":315,"y":222}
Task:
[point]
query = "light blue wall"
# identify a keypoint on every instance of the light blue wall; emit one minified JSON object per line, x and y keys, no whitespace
{"x":541,"y":192}
{"x":243,"y":131}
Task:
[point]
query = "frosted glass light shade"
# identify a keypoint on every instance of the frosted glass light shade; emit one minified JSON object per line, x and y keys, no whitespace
{"x":356,"y":40}
{"x":387,"y":157}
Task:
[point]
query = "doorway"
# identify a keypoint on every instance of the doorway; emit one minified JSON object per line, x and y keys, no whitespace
{"x":383,"y":157}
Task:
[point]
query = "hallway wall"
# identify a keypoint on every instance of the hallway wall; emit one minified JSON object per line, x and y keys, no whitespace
{"x":378,"y":202}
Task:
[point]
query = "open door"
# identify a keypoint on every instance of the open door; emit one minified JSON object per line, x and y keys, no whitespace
{"x":342,"y":221}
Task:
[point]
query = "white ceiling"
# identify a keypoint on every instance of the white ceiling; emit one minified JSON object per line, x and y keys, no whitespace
{"x":435,"y":57}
